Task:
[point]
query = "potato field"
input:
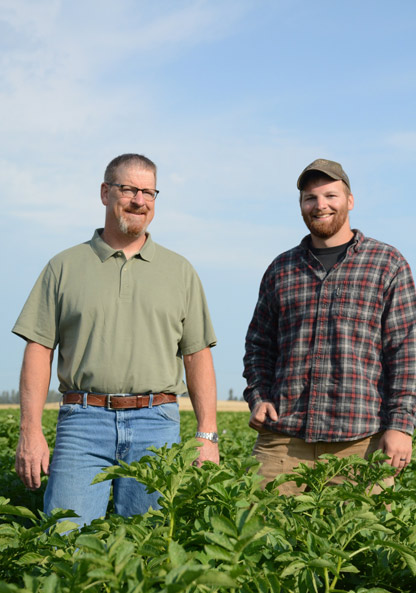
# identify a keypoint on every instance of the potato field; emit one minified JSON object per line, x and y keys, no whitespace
{"x":216,"y":529}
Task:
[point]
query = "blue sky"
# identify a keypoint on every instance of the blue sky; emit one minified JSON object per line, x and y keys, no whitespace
{"x":232,"y":99}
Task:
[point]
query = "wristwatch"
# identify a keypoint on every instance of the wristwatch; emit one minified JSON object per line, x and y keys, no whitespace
{"x":211,"y":436}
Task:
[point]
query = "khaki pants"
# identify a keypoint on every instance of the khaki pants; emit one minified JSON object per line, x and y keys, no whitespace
{"x":279,"y":453}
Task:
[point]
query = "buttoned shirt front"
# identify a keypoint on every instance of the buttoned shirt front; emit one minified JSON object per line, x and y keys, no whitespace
{"x":335,"y":353}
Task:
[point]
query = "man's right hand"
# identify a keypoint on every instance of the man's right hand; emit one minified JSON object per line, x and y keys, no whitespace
{"x":259,"y":414}
{"x":32,"y":458}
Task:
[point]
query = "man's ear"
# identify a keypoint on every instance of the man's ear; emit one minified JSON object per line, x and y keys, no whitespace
{"x":104,"y":193}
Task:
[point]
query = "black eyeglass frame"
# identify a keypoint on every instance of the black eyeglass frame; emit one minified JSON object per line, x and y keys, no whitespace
{"x":135,"y":190}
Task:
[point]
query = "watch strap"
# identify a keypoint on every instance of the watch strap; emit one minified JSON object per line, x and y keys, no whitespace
{"x":210,"y":436}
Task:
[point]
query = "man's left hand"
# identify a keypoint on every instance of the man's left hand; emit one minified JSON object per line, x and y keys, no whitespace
{"x":208,"y":452}
{"x":398,"y":446}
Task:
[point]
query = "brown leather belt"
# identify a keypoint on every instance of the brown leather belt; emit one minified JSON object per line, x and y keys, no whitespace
{"x":118,"y":402}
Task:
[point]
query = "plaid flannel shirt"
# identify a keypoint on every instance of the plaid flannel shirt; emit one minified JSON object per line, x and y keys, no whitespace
{"x":335,"y":353}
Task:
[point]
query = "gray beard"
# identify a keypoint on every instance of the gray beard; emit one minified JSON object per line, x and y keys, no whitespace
{"x":124,"y":228}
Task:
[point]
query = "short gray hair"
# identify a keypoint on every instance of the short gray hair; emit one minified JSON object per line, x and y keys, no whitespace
{"x":128,"y":159}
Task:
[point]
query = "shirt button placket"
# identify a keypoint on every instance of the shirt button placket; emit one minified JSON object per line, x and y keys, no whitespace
{"x":321,"y":321}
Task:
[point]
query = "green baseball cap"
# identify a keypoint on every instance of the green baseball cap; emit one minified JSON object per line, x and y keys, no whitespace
{"x":330,"y":168}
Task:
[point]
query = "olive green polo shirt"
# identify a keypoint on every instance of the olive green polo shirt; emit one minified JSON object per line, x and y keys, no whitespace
{"x":122,"y":326}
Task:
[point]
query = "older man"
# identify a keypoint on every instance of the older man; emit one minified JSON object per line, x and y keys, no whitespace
{"x":128,"y":316}
{"x":330,"y":355}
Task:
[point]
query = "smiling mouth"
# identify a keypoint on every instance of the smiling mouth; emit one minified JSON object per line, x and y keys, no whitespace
{"x":135,"y":212}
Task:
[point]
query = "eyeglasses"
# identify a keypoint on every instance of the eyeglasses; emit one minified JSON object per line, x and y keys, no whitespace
{"x":129,"y":191}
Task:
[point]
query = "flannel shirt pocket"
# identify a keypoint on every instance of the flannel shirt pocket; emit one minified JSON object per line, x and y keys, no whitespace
{"x":357,"y":304}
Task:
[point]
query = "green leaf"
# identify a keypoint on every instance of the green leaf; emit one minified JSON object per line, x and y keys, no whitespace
{"x":30,"y":558}
{"x":293,"y":568}
{"x":90,"y":542}
{"x":64,"y":526}
{"x":50,"y":584}
{"x":337,"y":552}
{"x":218,"y":553}
{"x":243,"y":503}
{"x":221,"y":475}
{"x":181,"y":576}
{"x":407,"y":553}
{"x":5,"y":588}
{"x":306,"y":506}
{"x":8,"y":509}
{"x":220,"y":490}
{"x":102,"y":574}
{"x":323,"y":563}
{"x":305,"y":498}
{"x":274,"y":583}
{"x":221,"y":540}
{"x":262,"y":584}
{"x":349,"y":568}
{"x":215,"y":578}
{"x":177,"y":554}
{"x":224,"y":525}
{"x":123,"y":552}
{"x":251,"y":527}
{"x":372,"y":590}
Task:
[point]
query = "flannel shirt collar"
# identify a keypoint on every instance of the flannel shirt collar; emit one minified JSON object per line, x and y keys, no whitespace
{"x":358,"y":241}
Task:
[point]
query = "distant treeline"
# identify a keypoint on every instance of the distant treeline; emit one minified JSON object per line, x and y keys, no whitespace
{"x":234,"y":398}
{"x":13,"y":397}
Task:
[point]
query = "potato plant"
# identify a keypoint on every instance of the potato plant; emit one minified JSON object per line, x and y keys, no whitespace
{"x":216,"y":529}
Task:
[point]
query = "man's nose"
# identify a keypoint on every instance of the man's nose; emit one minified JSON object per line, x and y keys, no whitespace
{"x":321,"y":202}
{"x":139,"y":198}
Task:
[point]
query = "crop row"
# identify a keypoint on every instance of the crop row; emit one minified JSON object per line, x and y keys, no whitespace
{"x":216,"y":529}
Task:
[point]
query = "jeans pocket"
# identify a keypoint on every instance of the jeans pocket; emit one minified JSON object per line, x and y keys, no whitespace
{"x":169,"y":411}
{"x":66,"y":410}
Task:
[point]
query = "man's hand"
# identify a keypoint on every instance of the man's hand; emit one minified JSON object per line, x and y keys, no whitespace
{"x":32,"y":454}
{"x":259,"y":414}
{"x":398,"y":446}
{"x":208,"y":452}
{"x":200,"y":378}
{"x":32,"y":458}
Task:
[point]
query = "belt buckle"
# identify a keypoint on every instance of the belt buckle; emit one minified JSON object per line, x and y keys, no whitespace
{"x":108,"y":402}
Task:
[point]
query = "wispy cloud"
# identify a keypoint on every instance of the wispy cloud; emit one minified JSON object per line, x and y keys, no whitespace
{"x":405,"y":141}
{"x":204,"y":187}
{"x":217,"y":244}
{"x":57,"y":93}
{"x":33,"y":19}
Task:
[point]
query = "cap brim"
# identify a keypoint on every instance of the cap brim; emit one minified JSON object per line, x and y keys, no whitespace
{"x":331,"y":175}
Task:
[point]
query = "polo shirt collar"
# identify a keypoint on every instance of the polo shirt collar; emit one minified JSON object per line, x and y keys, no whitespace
{"x":105,"y":251}
{"x":148,"y":250}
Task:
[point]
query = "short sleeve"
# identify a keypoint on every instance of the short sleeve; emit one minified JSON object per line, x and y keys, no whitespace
{"x":38,"y":319}
{"x":198,"y":332}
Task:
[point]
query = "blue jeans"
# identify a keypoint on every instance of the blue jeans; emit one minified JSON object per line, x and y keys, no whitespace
{"x":91,"y":438}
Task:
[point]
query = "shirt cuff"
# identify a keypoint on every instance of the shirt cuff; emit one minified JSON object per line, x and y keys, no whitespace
{"x":401,"y":423}
{"x":256,"y":397}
